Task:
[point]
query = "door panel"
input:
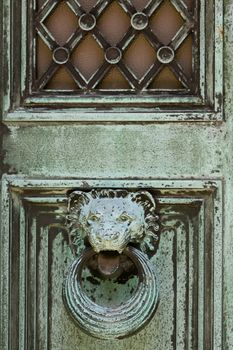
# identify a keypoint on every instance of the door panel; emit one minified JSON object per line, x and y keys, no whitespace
{"x":177,"y":146}
{"x":188,"y":264}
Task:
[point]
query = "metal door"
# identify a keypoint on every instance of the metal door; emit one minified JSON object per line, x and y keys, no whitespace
{"x":130,"y":95}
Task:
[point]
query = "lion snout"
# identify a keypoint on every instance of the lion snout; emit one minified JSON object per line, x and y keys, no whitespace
{"x":113,"y":241}
{"x":109,"y":235}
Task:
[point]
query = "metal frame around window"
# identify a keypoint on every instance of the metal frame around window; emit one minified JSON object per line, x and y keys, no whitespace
{"x":20,"y":105}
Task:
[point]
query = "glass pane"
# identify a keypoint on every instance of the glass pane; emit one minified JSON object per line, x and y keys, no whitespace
{"x":91,"y":45}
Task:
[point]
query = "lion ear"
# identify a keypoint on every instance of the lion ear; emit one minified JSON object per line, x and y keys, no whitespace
{"x":144,"y":197}
{"x":78,"y":198}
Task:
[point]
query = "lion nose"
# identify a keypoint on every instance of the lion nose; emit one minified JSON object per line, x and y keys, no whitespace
{"x":108,"y":236}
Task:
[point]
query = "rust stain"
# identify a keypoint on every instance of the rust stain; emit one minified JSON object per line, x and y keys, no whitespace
{"x":220,"y":31}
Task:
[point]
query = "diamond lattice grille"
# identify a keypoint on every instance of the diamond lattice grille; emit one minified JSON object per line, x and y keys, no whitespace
{"x":137,"y":45}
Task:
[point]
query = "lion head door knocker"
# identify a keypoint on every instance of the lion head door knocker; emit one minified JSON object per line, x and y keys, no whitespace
{"x":113,"y":233}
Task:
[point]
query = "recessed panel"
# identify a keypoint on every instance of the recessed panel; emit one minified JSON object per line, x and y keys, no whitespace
{"x":39,"y":254}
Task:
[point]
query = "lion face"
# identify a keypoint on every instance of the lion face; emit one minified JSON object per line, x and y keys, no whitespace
{"x":110,"y":224}
{"x":111,"y":219}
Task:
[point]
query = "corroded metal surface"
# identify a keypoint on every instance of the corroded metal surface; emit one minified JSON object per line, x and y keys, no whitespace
{"x":188,"y":264}
{"x":112,"y":322}
{"x":111,"y":221}
{"x":140,"y":25}
{"x":20,"y":103}
{"x":179,"y":161}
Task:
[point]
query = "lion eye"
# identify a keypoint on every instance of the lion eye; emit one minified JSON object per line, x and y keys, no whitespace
{"x":125,"y":217}
{"x":93,"y":217}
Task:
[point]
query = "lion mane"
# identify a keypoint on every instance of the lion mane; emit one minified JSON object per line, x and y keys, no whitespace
{"x":111,"y":219}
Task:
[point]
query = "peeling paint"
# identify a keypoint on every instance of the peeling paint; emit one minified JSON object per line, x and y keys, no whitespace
{"x":177,"y":148}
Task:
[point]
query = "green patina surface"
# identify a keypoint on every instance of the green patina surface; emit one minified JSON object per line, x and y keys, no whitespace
{"x":172,"y":151}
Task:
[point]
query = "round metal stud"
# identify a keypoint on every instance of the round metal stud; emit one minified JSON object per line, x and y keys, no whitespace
{"x":87,"y":21}
{"x":165,"y":54}
{"x":106,"y":322}
{"x":139,"y":21}
{"x":113,"y":55}
{"x":61,"y":55}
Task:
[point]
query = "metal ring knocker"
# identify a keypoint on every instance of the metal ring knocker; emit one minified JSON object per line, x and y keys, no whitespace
{"x":110,"y":322}
{"x":107,"y":322}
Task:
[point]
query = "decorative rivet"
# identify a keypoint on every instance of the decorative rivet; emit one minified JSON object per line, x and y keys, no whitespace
{"x":87,"y":21}
{"x":61,"y":55}
{"x":139,"y":21}
{"x":113,"y":55}
{"x":165,"y":54}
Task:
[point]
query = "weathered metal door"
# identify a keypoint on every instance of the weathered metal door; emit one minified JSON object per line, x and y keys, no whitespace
{"x":131,"y":95}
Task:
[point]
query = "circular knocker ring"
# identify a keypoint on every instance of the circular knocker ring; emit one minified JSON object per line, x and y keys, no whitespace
{"x":112,"y":322}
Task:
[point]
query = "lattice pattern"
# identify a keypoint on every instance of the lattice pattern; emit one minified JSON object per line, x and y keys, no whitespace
{"x":142,"y":17}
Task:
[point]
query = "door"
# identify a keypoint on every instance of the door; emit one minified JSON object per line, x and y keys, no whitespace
{"x":117,"y":95}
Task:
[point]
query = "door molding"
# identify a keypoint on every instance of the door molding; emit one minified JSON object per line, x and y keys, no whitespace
{"x":33,"y":210}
